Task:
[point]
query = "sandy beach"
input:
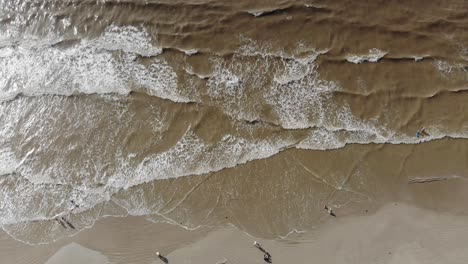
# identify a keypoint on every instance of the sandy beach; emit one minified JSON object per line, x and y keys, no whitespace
{"x":396,"y":233}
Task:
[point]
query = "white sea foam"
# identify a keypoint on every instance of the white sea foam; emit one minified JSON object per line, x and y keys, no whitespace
{"x":418,"y":58}
{"x":52,"y":183}
{"x":23,"y":18}
{"x":88,"y":67}
{"x":298,"y":96}
{"x":194,"y":157}
{"x":250,"y":47}
{"x":231,"y":82}
{"x":374,"y":55}
{"x":128,"y":39}
{"x":256,"y":13}
{"x":19,"y":200}
{"x":291,"y":86}
{"x":445,"y":68}
{"x":188,"y":69}
{"x":323,"y":139}
{"x":8,"y":163}
{"x":275,"y":77}
{"x":294,"y":71}
{"x":190,"y":52}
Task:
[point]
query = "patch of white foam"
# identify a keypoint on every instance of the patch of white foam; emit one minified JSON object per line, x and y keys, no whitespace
{"x":294,"y":71}
{"x":298,"y":96}
{"x":331,"y":138}
{"x":66,"y":23}
{"x":25,"y":123}
{"x":190,"y":52}
{"x":8,"y":121}
{"x":195,"y":157}
{"x":6,"y":52}
{"x":231,"y":82}
{"x":129,"y":39}
{"x":302,"y":53}
{"x":22,"y":19}
{"x":290,"y":85}
{"x":374,"y":55}
{"x":445,"y":68}
{"x":323,"y":139}
{"x":88,"y":67}
{"x":8,"y":163}
{"x":19,"y":200}
{"x":313,"y":6}
{"x":256,"y":13}
{"x":251,"y":47}
{"x":225,"y":83}
{"x":418,"y":58}
{"x":189,"y":69}
{"x":273,"y":76}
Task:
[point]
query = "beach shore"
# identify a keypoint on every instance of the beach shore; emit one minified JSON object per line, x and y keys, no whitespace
{"x":395,"y":233}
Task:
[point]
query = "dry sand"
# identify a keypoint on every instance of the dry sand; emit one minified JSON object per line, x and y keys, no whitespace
{"x":396,"y":233}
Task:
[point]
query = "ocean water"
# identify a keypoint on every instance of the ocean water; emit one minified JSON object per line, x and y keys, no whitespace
{"x":184,"y":110}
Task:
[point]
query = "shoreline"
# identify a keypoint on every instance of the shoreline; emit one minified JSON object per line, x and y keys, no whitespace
{"x":396,"y":232}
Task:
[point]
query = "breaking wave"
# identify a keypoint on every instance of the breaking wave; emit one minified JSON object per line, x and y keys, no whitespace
{"x":109,"y":64}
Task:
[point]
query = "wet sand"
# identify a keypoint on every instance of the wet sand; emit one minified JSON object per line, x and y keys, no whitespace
{"x":120,"y":239}
{"x":396,"y":233}
{"x":74,"y":254}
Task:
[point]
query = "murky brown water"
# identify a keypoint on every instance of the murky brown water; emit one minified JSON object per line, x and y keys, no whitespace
{"x":255,"y":113}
